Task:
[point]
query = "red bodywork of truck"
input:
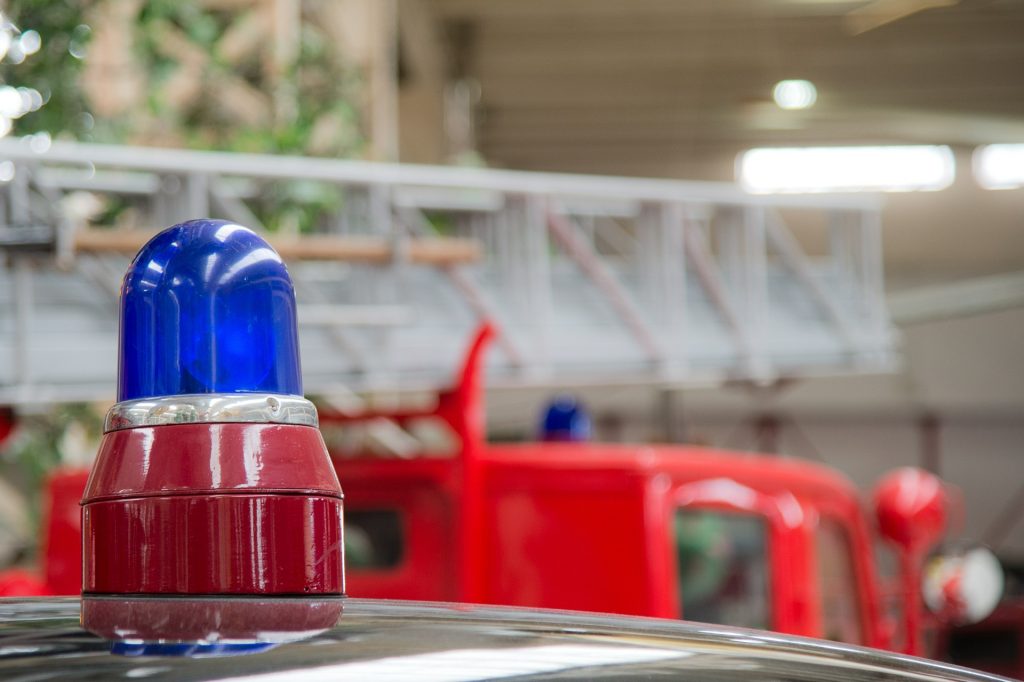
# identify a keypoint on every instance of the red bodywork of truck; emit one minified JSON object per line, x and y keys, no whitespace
{"x":592,"y":527}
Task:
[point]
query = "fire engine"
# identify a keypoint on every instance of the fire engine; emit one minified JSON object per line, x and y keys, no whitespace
{"x":649,"y":530}
{"x":654,"y":530}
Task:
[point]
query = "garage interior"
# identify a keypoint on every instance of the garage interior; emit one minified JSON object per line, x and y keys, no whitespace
{"x":676,"y":90}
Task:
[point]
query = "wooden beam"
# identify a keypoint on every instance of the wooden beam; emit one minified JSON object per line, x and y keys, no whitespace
{"x":434,"y":251}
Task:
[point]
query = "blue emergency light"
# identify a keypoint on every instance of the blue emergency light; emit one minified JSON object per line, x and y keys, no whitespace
{"x":207,"y":306}
{"x":210,"y":407}
{"x":565,"y":420}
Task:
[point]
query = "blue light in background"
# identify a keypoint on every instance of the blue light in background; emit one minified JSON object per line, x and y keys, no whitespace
{"x":565,"y":420}
{"x":207,"y":306}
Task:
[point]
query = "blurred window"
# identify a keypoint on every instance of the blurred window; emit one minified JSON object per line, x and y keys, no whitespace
{"x":837,"y":583}
{"x":723,"y":567}
{"x":373,"y":539}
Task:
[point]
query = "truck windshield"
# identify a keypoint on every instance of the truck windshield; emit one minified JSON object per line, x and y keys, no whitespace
{"x":723,"y":567}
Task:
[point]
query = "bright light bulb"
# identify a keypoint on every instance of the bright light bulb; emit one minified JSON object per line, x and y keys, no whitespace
{"x":847,"y":169}
{"x":795,"y":94}
{"x":999,"y":166}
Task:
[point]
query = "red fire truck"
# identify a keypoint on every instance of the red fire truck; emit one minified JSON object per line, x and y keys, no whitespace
{"x":667,"y":531}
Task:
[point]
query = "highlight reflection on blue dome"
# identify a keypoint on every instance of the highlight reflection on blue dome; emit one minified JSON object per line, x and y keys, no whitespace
{"x":207,"y":306}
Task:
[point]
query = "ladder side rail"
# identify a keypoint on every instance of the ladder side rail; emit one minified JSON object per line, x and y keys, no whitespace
{"x":182,"y":162}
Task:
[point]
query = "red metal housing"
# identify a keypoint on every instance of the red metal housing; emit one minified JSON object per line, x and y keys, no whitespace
{"x":253,"y":509}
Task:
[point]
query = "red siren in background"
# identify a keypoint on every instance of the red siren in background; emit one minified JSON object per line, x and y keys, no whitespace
{"x":912,"y":510}
{"x":212,"y":480}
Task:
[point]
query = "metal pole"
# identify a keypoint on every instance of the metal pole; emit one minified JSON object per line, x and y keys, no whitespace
{"x":672,"y":416}
{"x":538,"y":267}
{"x":997,"y":532}
{"x":22,"y":322}
{"x":767,"y":429}
{"x":871,"y":276}
{"x":198,"y":195}
{"x":930,"y":429}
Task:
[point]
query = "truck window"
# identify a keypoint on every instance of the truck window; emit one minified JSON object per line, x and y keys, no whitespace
{"x":723,"y":567}
{"x":837,"y":583}
{"x":373,"y":539}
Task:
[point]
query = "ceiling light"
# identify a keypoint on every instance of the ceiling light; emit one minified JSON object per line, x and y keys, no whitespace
{"x":795,"y":94}
{"x":846,"y":169}
{"x":999,"y":166}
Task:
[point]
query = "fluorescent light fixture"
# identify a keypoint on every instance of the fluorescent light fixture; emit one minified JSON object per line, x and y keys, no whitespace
{"x":999,"y":166}
{"x":795,"y":94}
{"x":770,"y":170}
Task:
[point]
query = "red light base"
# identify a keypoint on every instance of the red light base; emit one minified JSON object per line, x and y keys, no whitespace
{"x":209,"y":619}
{"x":213,"y":509}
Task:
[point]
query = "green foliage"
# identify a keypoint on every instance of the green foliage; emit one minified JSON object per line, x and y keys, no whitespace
{"x":299,"y":206}
{"x":53,"y":71}
{"x":37,"y":447}
{"x":321,"y":116}
{"x":320,"y":88}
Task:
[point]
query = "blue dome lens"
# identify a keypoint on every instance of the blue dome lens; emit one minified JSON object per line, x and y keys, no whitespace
{"x":207,"y":306}
{"x":565,"y":420}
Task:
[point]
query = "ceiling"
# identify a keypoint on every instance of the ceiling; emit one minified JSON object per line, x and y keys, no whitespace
{"x":602,"y":84}
{"x":677,"y":88}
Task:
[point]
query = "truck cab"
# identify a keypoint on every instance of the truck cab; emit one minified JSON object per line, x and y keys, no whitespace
{"x":672,"y":532}
{"x":668,"y":531}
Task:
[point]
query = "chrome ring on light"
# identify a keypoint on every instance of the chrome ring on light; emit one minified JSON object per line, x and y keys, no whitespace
{"x":211,"y":408}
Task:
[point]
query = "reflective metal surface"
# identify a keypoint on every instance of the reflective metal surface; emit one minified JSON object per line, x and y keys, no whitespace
{"x":211,"y":408}
{"x":375,"y":640}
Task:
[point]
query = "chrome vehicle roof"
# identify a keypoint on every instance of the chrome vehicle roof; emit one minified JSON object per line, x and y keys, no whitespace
{"x":41,"y":639}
